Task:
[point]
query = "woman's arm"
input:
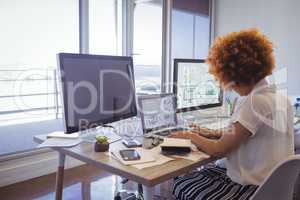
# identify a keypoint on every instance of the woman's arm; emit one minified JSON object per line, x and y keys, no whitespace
{"x":230,"y":140}
{"x":208,"y":133}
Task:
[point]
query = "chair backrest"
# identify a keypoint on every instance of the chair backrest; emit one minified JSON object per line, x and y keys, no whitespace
{"x":280,"y":183}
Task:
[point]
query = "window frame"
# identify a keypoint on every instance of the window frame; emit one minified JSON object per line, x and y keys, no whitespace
{"x":127,"y":47}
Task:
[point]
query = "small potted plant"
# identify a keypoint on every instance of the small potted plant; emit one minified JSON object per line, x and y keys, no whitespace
{"x":101,"y":144}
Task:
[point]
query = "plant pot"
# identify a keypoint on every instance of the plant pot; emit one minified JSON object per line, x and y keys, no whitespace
{"x":101,"y":147}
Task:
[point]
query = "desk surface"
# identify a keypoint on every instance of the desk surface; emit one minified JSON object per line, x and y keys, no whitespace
{"x":148,"y":176}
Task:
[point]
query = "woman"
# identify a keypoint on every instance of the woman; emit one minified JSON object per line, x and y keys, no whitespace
{"x":261,"y":131}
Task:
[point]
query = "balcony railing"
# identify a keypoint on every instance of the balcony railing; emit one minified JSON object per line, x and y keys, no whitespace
{"x":147,"y":82}
{"x":21,"y":77}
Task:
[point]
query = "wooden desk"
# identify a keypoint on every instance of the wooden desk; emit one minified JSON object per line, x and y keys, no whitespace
{"x":148,"y":177}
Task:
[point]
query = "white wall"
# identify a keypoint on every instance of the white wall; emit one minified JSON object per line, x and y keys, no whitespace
{"x":278,"y":19}
{"x":28,"y":167}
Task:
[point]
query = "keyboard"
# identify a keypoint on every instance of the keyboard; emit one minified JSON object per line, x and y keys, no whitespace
{"x":167,"y":132}
{"x":211,"y":123}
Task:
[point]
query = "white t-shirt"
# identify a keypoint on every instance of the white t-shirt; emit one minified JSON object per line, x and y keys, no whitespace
{"x":268,"y":116}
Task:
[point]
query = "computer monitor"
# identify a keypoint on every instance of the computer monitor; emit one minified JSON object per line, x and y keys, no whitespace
{"x":96,"y":90}
{"x":157,"y":111}
{"x":194,"y":87}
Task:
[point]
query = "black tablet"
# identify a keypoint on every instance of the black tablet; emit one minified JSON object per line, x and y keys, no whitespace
{"x":129,"y":154}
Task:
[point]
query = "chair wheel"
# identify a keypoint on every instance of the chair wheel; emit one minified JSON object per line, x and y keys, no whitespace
{"x":125,"y":195}
{"x":124,"y":180}
{"x":117,"y":197}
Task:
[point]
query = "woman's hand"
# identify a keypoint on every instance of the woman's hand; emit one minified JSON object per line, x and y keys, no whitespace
{"x":182,"y":135}
{"x":205,"y":132}
{"x":195,"y":127}
{"x":231,"y":139}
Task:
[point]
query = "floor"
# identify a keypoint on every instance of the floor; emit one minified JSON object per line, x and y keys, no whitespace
{"x":80,"y":183}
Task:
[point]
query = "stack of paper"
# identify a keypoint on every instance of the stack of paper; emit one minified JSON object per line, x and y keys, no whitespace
{"x":145,"y":157}
{"x":195,"y":155}
{"x":159,"y":159}
{"x":59,"y":142}
{"x":149,"y":158}
{"x":176,"y":142}
{"x":153,"y":157}
{"x":61,"y":134}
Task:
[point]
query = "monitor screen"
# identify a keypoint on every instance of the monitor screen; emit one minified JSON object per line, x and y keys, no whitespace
{"x":96,"y":90}
{"x":157,"y":111}
{"x":194,"y":87}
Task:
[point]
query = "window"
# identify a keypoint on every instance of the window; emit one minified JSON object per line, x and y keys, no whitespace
{"x":105,"y":23}
{"x":35,"y":31}
{"x":147,"y":46}
{"x":190,"y":29}
{"x":32,"y":33}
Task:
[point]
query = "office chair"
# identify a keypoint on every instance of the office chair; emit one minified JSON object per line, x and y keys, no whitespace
{"x":280,"y":183}
{"x":130,"y":196}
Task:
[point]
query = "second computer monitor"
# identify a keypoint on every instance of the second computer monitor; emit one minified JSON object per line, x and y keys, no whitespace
{"x":96,"y":90}
{"x":194,"y":87}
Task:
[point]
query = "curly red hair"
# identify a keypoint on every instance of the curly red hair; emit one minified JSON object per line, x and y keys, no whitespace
{"x":244,"y":57}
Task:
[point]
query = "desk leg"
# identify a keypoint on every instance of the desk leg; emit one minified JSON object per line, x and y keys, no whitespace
{"x":297,"y":188}
{"x":60,"y":176}
{"x":86,"y":190}
{"x":148,"y":192}
{"x":165,"y":190}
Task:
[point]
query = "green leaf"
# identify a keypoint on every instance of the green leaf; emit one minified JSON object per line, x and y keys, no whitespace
{"x":101,"y":139}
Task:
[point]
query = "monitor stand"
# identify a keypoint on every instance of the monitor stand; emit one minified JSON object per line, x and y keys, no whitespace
{"x":131,"y":143}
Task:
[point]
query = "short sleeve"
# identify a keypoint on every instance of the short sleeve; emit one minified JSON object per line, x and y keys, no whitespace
{"x":251,"y":112}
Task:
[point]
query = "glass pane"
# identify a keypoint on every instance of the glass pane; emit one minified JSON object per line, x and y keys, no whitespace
{"x":147,"y":45}
{"x":105,"y":27}
{"x":35,"y":31}
{"x":182,"y":34}
{"x":190,"y":29}
{"x":202,"y":30}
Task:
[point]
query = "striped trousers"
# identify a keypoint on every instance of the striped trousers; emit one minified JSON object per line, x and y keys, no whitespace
{"x":210,"y":183}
